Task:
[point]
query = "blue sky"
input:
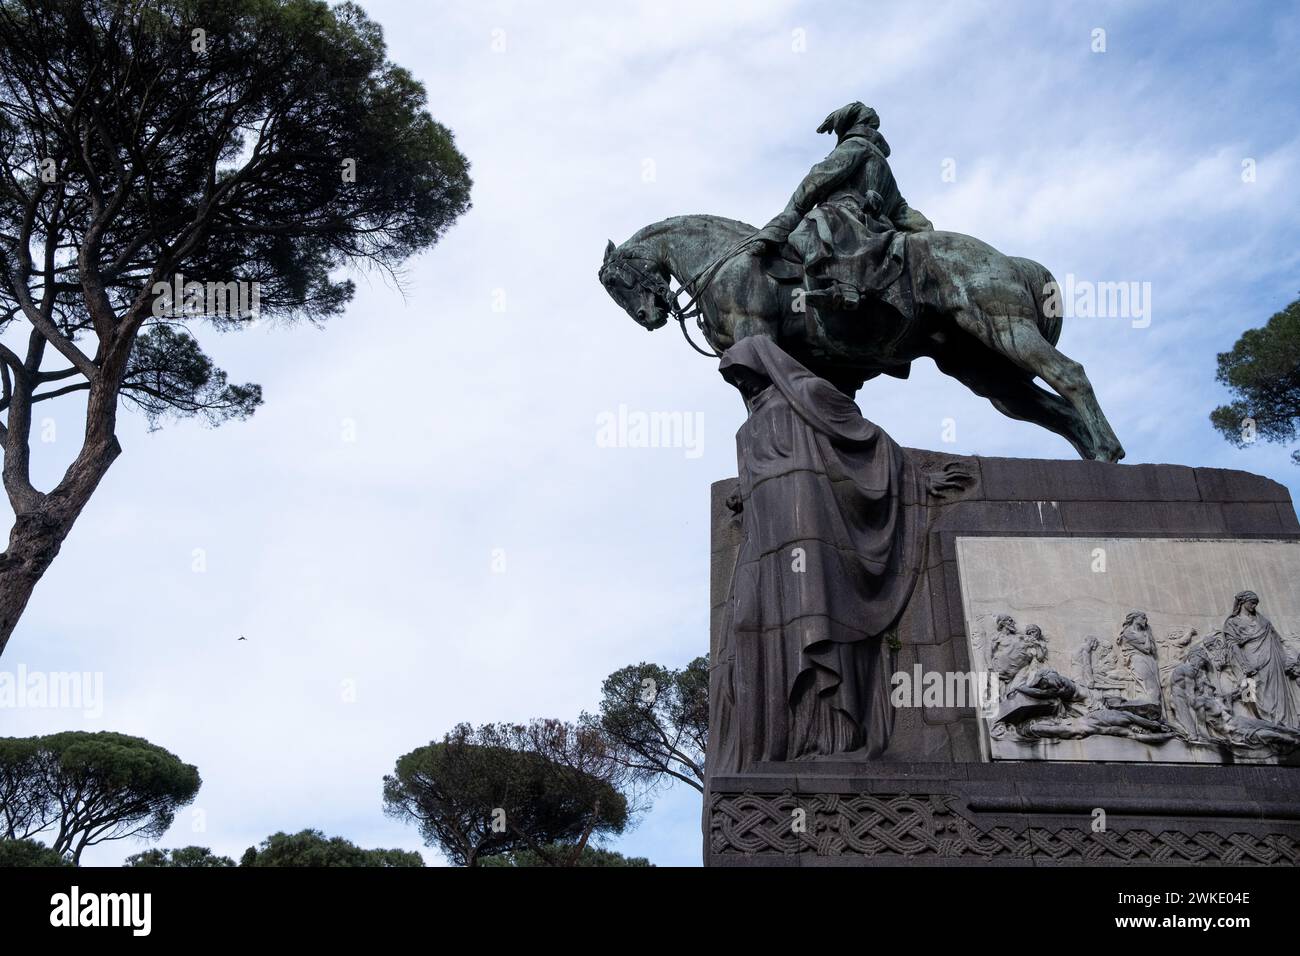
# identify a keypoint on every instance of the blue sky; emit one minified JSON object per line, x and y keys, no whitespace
{"x":349,"y":528}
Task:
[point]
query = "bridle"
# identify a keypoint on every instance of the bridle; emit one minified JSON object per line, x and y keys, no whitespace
{"x":659,"y":287}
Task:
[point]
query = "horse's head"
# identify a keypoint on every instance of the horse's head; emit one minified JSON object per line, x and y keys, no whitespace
{"x":638,"y":284}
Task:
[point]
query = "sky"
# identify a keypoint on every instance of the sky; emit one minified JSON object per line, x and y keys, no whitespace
{"x":422,"y":527}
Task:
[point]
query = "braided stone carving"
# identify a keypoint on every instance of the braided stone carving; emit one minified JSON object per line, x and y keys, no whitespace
{"x":918,"y":826}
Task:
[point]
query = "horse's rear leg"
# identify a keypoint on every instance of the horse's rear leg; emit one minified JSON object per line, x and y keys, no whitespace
{"x":1019,"y":339}
{"x":1068,"y":378}
{"x":1053,"y":413}
{"x":1013,"y":393}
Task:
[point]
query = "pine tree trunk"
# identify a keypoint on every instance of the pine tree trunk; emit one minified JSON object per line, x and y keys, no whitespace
{"x":38,"y":534}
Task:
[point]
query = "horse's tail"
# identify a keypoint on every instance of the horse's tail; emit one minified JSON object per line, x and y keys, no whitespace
{"x":1041,"y":283}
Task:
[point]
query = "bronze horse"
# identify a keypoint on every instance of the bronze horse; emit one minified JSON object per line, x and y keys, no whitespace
{"x":982,"y":316}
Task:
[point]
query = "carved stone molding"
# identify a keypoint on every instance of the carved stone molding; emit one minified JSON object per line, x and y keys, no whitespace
{"x":913,"y":827}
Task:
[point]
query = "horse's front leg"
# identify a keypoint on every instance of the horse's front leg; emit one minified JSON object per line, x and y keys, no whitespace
{"x":770,"y":322}
{"x":744,"y":324}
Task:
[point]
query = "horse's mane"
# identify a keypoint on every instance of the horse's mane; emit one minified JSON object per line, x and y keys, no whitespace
{"x":702,"y":221}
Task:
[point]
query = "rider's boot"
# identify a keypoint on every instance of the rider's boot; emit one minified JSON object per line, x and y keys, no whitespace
{"x":845,"y":298}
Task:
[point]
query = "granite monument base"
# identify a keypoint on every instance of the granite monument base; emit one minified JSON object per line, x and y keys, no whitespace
{"x":945,"y":791}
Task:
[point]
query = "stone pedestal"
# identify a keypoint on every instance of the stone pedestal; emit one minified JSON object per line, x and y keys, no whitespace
{"x":943,"y":793}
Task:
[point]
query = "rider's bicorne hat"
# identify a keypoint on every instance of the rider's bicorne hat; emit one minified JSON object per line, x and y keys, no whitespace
{"x":846,"y":117}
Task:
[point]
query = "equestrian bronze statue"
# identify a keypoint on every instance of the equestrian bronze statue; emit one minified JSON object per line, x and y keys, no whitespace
{"x":853,"y":283}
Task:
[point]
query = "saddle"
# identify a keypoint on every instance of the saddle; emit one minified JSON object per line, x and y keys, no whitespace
{"x":895,"y":303}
